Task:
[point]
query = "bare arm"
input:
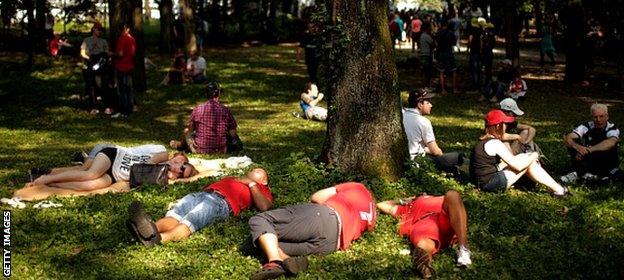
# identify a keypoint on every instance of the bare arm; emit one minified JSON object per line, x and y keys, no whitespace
{"x":433,"y":149}
{"x":530,"y":133}
{"x":159,"y":157}
{"x":299,"y":51}
{"x":307,"y":98}
{"x":388,"y":207}
{"x":323,"y":195}
{"x":570,"y":141}
{"x":259,"y":200}
{"x":518,"y":162}
{"x":604,"y":145}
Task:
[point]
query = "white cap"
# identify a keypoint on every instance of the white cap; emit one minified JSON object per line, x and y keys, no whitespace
{"x":508,"y":104}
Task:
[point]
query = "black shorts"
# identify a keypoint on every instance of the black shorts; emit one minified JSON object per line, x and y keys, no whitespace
{"x":111,"y":153}
{"x":302,"y":229}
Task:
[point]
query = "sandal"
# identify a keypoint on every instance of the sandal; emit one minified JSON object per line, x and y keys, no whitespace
{"x":270,"y":270}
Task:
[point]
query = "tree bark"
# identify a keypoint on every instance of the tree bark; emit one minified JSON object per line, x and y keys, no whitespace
{"x":29,"y":5}
{"x":139,"y":80}
{"x":364,"y":127}
{"x":41,"y":36}
{"x":186,"y":8}
{"x":148,"y":10}
{"x":166,"y":25}
{"x":512,"y":20}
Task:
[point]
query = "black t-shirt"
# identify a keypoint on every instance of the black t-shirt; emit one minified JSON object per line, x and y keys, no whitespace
{"x":445,"y":40}
{"x":475,"y":43}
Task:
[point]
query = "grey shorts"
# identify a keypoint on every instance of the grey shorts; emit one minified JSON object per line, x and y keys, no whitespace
{"x":302,"y":229}
{"x":98,"y":148}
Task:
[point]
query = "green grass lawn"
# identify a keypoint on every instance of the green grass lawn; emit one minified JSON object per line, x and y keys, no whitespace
{"x":513,"y":235}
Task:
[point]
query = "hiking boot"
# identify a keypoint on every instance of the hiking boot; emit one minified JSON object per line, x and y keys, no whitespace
{"x":422,"y":263}
{"x":463,"y":257}
{"x":294,"y":265}
{"x":270,"y":270}
{"x":569,"y":178}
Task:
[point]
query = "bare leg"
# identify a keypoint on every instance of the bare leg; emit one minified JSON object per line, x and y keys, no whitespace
{"x":100,"y":165}
{"x":89,"y":185}
{"x":38,"y":192}
{"x":454,"y":206}
{"x":455,"y":81}
{"x":426,"y":244}
{"x":179,"y":232}
{"x":442,"y":90}
{"x":166,"y":224}
{"x":537,"y":173}
{"x":269,"y":244}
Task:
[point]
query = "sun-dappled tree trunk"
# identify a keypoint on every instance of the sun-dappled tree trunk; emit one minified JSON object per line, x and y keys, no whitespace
{"x":186,"y":8}
{"x":147,"y":10}
{"x":364,"y":129}
{"x":139,"y":80}
{"x":166,"y":25}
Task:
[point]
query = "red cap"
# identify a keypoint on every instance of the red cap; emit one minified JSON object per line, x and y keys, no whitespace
{"x":496,"y":116}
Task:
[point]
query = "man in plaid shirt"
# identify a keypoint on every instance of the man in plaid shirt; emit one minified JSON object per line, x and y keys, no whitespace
{"x":209,"y":125}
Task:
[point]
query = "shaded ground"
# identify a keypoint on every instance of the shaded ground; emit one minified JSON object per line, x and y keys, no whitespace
{"x":517,"y":234}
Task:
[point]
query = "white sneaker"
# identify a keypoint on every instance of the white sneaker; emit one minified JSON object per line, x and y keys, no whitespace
{"x":47,"y":204}
{"x":463,"y":256}
{"x":14,"y":202}
{"x":569,"y":178}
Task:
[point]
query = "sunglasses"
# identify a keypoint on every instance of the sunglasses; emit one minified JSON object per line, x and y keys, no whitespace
{"x":182,"y":169}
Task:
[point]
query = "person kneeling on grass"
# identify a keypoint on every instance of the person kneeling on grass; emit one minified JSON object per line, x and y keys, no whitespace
{"x":109,"y":171}
{"x":493,"y":167}
{"x":431,"y":223}
{"x":228,"y":196}
{"x":310,"y":97}
{"x":336,"y":217}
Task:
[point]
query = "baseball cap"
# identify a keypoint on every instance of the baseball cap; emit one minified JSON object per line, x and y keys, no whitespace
{"x":508,"y":104}
{"x":496,"y":116}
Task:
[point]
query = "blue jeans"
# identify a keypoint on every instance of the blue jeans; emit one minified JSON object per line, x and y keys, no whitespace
{"x":126,"y":96}
{"x":200,"y":209}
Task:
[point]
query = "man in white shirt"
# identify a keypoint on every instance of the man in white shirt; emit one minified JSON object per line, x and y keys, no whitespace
{"x":196,"y":67}
{"x":420,"y":137}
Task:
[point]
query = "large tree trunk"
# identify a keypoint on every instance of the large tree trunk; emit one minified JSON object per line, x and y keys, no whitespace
{"x":186,"y":8}
{"x":148,"y":10}
{"x":166,"y":25}
{"x":238,"y":16}
{"x":512,"y":21}
{"x":364,"y":128}
{"x":139,"y":80}
{"x":270,"y":35}
{"x":41,"y":35}
{"x":29,"y":5}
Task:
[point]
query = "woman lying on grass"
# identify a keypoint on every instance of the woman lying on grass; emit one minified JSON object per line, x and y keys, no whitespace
{"x":106,"y":170}
{"x":493,"y":167}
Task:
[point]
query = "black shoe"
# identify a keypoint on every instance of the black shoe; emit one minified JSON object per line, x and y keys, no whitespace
{"x":79,"y":158}
{"x":141,"y":226}
{"x":35,"y":173}
{"x":270,"y":270}
{"x":422,"y":263}
{"x":294,"y":265}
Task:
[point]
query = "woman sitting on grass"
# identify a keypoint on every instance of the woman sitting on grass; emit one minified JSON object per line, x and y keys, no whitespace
{"x":107,"y":171}
{"x":493,"y":167}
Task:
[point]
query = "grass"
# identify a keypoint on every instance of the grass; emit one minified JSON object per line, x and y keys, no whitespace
{"x":516,"y":234}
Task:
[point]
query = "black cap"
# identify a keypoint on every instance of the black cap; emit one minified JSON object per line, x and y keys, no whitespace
{"x":418,"y":95}
{"x":213,"y":89}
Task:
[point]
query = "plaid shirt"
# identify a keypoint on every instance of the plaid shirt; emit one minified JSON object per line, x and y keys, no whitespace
{"x":211,"y":122}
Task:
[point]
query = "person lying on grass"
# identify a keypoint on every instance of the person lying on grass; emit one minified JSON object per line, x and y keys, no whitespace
{"x":431,"y":223}
{"x":493,"y":167}
{"x":226,"y":197}
{"x":336,"y":217}
{"x":108,"y":171}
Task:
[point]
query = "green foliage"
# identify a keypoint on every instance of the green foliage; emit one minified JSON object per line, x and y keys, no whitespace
{"x":513,"y":235}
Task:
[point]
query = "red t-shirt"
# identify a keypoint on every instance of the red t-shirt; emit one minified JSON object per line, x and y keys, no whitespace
{"x":356,"y":208}
{"x":416,"y":24}
{"x":237,"y":194}
{"x":54,"y":47}
{"x":127,"y":45}
{"x":425,"y":217}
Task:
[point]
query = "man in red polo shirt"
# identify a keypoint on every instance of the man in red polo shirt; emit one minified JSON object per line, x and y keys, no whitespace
{"x":228,"y":196}
{"x":336,"y":217}
{"x":431,"y":223}
{"x":124,"y":64}
{"x":209,"y":126}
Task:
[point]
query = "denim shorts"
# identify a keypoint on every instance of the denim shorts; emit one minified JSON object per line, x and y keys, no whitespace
{"x":498,"y":182}
{"x":200,"y":209}
{"x":98,"y":148}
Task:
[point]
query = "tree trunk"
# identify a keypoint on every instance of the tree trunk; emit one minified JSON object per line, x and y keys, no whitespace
{"x":139,"y":80}
{"x":215,"y":21}
{"x":238,"y":16}
{"x":512,"y":19}
{"x":41,"y":35}
{"x":148,"y":10}
{"x":186,"y":8}
{"x":166,"y":25}
{"x":29,"y":5}
{"x":364,"y":128}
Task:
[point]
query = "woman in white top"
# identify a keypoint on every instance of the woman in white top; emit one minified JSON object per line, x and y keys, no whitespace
{"x":493,"y":167}
{"x":108,"y":171}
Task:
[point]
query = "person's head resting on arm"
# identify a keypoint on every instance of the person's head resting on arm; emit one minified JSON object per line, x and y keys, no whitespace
{"x":179,"y":167}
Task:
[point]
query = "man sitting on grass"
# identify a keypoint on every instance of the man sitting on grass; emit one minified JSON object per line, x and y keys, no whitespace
{"x":593,"y":148}
{"x":337,"y":216}
{"x":228,"y":196}
{"x":420,"y":137}
{"x":522,"y":141}
{"x":431,"y":223}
